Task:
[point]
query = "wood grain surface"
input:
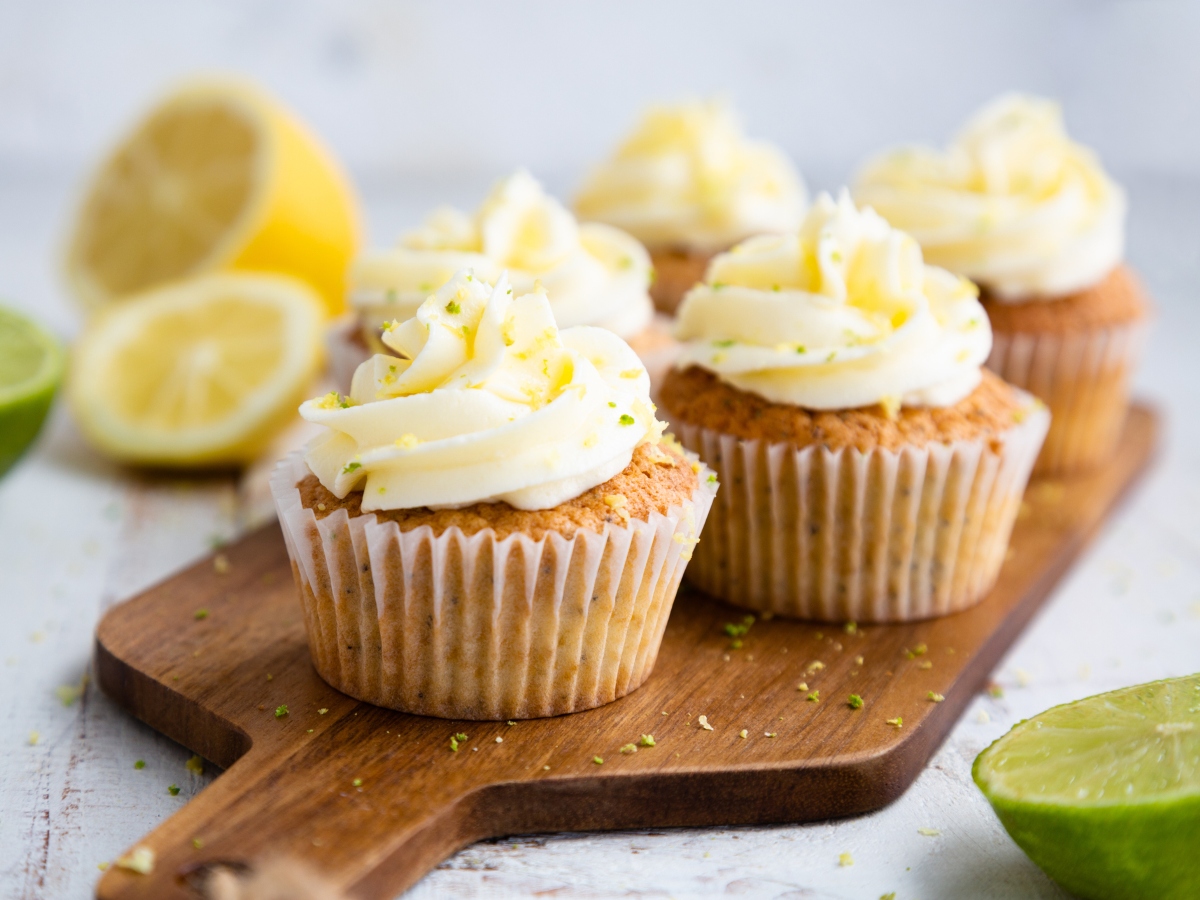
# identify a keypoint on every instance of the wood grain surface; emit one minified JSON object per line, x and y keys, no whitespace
{"x":216,"y":658}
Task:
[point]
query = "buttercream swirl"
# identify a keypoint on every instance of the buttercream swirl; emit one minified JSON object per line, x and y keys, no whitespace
{"x":689,"y":177}
{"x":1013,"y":203}
{"x":594,"y":274}
{"x":488,"y":401}
{"x":841,"y":314}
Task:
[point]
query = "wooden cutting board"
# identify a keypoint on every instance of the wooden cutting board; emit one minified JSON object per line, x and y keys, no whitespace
{"x":374,"y":799}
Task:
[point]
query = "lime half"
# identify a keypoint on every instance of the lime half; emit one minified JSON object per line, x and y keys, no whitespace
{"x":1104,"y":793}
{"x":31,"y":366}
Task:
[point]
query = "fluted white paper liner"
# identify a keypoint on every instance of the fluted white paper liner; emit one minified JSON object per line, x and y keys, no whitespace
{"x":842,"y":535}
{"x":1083,"y":378}
{"x":478,"y":627}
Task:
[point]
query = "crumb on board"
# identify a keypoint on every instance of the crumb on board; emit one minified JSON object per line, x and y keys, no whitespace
{"x":703,"y":720}
{"x":628,"y":748}
{"x":935,"y":696}
{"x":845,"y":859}
{"x":897,"y":722}
{"x":743,"y":734}
{"x":928,"y":832}
{"x":139,"y":859}
{"x":221,"y":564}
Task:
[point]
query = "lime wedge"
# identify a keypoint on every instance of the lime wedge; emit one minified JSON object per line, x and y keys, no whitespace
{"x":1104,"y":793}
{"x":31,"y":366}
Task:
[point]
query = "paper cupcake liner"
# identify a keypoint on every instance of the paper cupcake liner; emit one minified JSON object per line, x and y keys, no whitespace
{"x":843,"y":535}
{"x":1084,"y":379}
{"x":479,"y":627}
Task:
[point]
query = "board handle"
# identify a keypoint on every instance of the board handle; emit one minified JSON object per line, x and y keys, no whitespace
{"x":356,"y":812}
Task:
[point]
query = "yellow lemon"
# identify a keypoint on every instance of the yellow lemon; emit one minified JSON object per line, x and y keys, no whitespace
{"x":199,"y":373}
{"x":217,"y":176}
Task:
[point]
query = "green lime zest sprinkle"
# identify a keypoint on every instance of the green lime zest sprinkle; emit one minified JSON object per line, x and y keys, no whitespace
{"x":173,"y":790}
{"x":357,"y":782}
{"x":800,"y":348}
{"x":197,"y":843}
{"x":855,"y":701}
{"x":201,"y":614}
{"x":139,"y":764}
{"x":629,"y":748}
{"x":350,"y":467}
{"x":814,"y":697}
{"x":626,"y":419}
{"x":453,"y":308}
{"x":727,"y":343}
{"x":646,"y":740}
{"x":935,"y":696}
{"x":457,"y":740}
{"x":712,"y":479}
{"x":281,"y":711}
{"x":598,"y":760}
{"x":896,"y":722}
{"x":612,"y":403}
{"x":321,"y":712}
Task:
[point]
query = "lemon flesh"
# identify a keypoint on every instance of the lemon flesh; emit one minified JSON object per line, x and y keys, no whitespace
{"x":201,"y":373}
{"x":1104,"y":794}
{"x":216,"y":177}
{"x":31,"y":365}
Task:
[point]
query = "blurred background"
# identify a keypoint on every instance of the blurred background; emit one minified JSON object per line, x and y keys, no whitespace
{"x":429,"y":102}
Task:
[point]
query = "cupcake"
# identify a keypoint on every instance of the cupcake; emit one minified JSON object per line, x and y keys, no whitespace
{"x":1033,"y":218}
{"x":687,"y":184}
{"x":872,"y":470}
{"x":596,"y":274}
{"x":491,"y":527}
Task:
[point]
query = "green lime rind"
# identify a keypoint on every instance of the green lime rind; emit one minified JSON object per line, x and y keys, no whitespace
{"x":1104,"y":794}
{"x":31,"y":369}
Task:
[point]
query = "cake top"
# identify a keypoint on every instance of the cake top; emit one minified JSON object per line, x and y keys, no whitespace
{"x":842,"y":313}
{"x":487,"y":401}
{"x":689,"y":177}
{"x":1013,"y":203}
{"x":595,"y":274}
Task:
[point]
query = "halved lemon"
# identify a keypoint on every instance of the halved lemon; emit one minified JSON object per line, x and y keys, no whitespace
{"x":216,"y":176}
{"x":200,"y":373}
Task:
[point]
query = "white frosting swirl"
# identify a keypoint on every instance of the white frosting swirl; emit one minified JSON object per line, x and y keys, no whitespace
{"x":1013,"y":203}
{"x":490,"y":402}
{"x":594,"y":274}
{"x":842,"y":314}
{"x":689,"y":177}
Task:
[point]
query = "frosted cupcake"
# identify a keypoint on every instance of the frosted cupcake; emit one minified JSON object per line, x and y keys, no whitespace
{"x":1034,"y":219}
{"x":688,"y":183}
{"x":491,"y":527}
{"x":872,"y":470}
{"x":595,"y":274}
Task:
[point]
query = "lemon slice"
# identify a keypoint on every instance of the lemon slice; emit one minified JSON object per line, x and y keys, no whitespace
{"x":217,"y":176}
{"x":31,"y":364}
{"x":200,"y":373}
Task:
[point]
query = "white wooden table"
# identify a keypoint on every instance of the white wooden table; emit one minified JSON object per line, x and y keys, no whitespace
{"x":77,"y":535}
